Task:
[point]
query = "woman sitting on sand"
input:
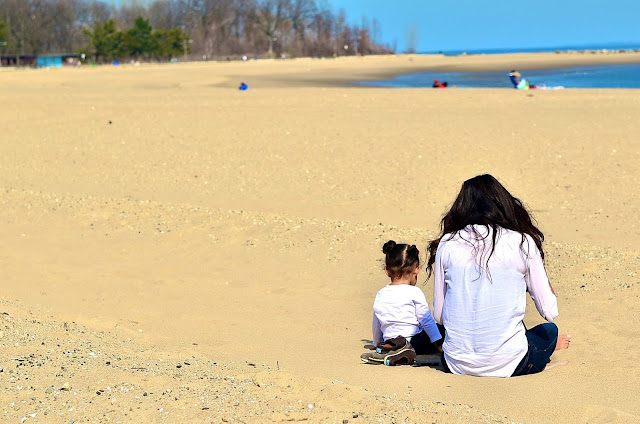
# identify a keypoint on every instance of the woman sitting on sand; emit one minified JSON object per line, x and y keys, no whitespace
{"x":519,"y":82}
{"x":488,"y":255}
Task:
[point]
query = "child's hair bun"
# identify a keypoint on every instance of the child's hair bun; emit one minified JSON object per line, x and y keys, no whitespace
{"x":388,"y":246}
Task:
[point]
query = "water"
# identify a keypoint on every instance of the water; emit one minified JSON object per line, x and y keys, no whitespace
{"x":601,"y":76}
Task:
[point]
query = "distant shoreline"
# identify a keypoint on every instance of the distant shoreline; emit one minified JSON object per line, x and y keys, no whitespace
{"x":619,"y":48}
{"x":549,"y":60}
{"x":498,"y":62}
{"x":346,"y":71}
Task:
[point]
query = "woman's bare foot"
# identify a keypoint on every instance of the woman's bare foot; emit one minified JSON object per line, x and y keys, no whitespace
{"x":557,"y":364}
{"x":563,"y":341}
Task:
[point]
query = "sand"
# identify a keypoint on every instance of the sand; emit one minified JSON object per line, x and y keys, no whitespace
{"x":175,"y":250}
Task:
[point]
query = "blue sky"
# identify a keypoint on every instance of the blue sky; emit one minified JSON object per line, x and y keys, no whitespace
{"x":488,"y":24}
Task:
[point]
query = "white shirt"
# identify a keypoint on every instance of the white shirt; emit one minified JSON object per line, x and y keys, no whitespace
{"x":402,"y":310}
{"x":482,"y":312}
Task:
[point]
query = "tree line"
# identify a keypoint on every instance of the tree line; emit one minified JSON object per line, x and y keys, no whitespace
{"x":202,"y":29}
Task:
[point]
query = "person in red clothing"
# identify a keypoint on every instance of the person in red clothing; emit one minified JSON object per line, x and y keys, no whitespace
{"x":438,"y":84}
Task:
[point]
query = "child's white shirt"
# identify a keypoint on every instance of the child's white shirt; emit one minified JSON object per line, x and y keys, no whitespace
{"x":402,"y":310}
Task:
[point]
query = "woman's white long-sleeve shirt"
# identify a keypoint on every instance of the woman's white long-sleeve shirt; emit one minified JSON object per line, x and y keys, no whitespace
{"x":482,"y":311}
{"x":402,"y":310}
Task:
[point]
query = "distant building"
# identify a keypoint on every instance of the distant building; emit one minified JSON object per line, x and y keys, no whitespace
{"x":42,"y":60}
{"x":25,"y":60}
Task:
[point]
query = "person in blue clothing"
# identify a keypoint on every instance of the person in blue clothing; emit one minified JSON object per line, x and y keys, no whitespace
{"x":519,"y":82}
{"x":243,"y":86}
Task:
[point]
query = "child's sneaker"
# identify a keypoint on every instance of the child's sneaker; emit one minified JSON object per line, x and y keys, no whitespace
{"x":396,"y":344}
{"x":396,"y":351}
{"x":372,"y":358}
{"x":405,"y":357}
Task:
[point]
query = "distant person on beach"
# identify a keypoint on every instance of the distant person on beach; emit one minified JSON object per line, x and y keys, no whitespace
{"x":438,"y":84}
{"x":488,"y":256}
{"x":400,"y":308}
{"x":519,"y":82}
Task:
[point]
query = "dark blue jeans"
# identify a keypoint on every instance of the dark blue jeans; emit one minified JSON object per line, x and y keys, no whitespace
{"x":542,"y":341}
{"x":421,"y":343}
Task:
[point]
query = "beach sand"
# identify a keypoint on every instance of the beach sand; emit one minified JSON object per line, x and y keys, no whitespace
{"x":175,"y":250}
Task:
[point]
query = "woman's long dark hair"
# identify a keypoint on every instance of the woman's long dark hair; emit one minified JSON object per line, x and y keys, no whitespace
{"x":484,"y":201}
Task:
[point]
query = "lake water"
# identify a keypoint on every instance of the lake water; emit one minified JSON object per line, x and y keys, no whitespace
{"x":601,"y":76}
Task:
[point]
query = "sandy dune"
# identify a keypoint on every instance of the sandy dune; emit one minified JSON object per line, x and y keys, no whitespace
{"x":174,"y":249}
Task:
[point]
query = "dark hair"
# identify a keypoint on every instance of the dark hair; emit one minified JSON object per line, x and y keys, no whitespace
{"x":400,"y":259}
{"x":484,"y":201}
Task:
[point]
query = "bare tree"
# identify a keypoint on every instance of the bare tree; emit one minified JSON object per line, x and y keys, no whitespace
{"x":127,"y":14}
{"x":165,"y":14}
{"x":301,"y":13}
{"x":376,"y":30}
{"x":216,"y":24}
{"x":411,"y":37}
{"x":341,"y":34}
{"x":321,"y":27}
{"x":269,"y":16}
{"x":62,"y":31}
{"x":241,"y":24}
{"x":188,"y":10}
{"x":90,"y":12}
{"x":24,"y":29}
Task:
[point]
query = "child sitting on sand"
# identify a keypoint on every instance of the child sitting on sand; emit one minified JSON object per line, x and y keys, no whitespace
{"x":400,"y":308}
